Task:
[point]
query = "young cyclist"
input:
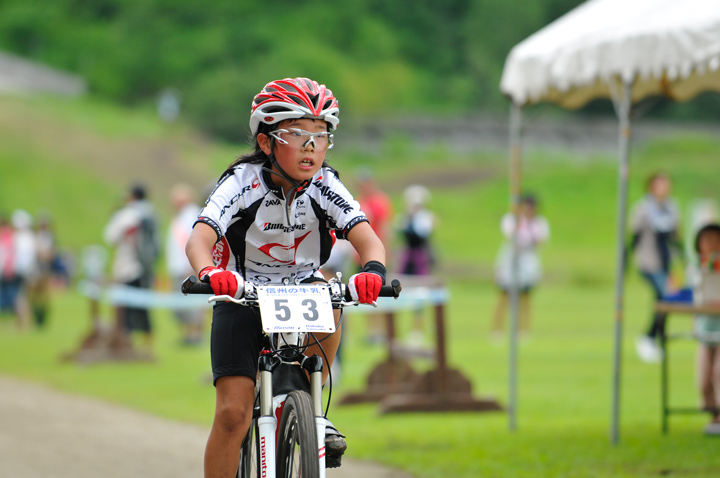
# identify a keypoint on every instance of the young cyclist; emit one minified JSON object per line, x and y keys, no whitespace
{"x":274,"y":214}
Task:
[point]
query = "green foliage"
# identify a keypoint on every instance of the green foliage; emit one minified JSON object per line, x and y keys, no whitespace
{"x":377,"y":56}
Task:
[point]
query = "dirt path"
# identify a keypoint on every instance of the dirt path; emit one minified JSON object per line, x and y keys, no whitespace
{"x":44,"y":432}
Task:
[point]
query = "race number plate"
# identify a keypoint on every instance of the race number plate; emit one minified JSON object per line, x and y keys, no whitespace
{"x":296,"y":308}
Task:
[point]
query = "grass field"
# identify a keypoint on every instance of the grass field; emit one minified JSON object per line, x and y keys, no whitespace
{"x":564,"y":390}
{"x":565,"y":364}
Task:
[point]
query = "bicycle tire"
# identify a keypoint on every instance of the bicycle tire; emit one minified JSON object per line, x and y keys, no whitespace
{"x":250,"y":454}
{"x":297,"y":449}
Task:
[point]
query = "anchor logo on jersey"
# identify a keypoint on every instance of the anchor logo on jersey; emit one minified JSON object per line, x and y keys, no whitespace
{"x":276,"y":248}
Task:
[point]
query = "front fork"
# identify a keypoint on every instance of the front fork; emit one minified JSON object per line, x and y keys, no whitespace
{"x":314,"y":366}
{"x":267,"y":423}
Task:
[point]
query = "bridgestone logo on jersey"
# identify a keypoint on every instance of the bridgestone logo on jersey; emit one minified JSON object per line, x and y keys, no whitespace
{"x":334,"y":197}
{"x":269,"y":226}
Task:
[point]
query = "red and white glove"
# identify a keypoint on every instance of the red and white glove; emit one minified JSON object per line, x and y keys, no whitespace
{"x":365,"y":287}
{"x":223,"y":282}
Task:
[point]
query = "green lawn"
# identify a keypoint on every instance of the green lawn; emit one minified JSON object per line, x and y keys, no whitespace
{"x":564,"y":390}
{"x":565,"y":364}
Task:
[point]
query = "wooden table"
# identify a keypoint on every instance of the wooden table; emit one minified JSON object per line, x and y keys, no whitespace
{"x":678,"y":308}
{"x":394,"y":383}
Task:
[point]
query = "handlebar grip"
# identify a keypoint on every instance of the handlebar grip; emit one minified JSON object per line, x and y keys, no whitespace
{"x":192,"y":286}
{"x":392,"y":290}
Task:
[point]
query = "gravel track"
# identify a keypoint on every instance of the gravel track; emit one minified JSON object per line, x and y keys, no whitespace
{"x":46,"y":433}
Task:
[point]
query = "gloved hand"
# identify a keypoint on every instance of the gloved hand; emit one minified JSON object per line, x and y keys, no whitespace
{"x":223,"y":282}
{"x":365,"y":287}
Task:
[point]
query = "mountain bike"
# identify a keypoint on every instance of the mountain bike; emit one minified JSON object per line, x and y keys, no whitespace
{"x":287,"y":434}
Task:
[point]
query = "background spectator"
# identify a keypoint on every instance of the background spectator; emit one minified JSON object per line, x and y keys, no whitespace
{"x":133,"y":232}
{"x":707,"y":327}
{"x":25,"y":262}
{"x":416,"y":227}
{"x":39,"y":287}
{"x":416,"y":257}
{"x":8,"y":277}
{"x":532,"y":230}
{"x":378,"y":209}
{"x":654,"y":225}
{"x":176,"y":261}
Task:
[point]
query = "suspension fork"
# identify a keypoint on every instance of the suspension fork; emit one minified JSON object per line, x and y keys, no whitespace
{"x":267,"y":423}
{"x":314,"y":366}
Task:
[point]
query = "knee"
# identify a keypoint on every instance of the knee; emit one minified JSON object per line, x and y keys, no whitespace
{"x":233,"y":418}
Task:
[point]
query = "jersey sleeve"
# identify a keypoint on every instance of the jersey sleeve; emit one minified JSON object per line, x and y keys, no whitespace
{"x":541,"y":229}
{"x":507,"y":225}
{"x":638,"y":217}
{"x":121,"y":222}
{"x":225,"y":202}
{"x":343,"y":210}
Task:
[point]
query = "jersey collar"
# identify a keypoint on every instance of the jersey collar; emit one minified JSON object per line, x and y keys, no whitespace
{"x":277,"y":190}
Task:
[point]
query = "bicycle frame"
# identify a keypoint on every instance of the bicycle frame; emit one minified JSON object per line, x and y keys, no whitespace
{"x":267,"y":422}
{"x":269,"y":403}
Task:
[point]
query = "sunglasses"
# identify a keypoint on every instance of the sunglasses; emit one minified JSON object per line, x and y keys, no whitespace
{"x":299,"y":138}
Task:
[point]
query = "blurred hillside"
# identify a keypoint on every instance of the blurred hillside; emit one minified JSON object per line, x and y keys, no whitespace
{"x":74,"y":158}
{"x":425,"y":58}
{"x":387,"y":57}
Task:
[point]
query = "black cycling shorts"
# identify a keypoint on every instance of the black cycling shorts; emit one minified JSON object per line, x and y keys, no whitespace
{"x":235,"y":340}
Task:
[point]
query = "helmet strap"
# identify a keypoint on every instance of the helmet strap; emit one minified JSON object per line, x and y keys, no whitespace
{"x":280,"y":172}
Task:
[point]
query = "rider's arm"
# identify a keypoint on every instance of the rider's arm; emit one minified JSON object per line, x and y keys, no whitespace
{"x":368,"y":246}
{"x":199,"y":246}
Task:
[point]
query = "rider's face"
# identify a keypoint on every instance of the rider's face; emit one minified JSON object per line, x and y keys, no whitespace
{"x":300,"y":161}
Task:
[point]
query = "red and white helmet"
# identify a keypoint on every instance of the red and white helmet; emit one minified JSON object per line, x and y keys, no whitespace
{"x":294,"y":98}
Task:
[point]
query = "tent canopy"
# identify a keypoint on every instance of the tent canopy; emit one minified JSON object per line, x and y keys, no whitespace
{"x":626,"y":50}
{"x":667,"y":47}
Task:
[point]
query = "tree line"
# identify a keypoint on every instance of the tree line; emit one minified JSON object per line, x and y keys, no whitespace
{"x":378,"y":56}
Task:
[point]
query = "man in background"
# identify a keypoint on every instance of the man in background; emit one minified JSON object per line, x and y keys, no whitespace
{"x":176,"y":261}
{"x":132,"y":231}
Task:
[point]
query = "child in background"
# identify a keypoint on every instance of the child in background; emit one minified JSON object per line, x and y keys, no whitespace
{"x":416,"y":258}
{"x":416,"y":227}
{"x":654,"y":224}
{"x":707,"y":327}
{"x":532,"y":231}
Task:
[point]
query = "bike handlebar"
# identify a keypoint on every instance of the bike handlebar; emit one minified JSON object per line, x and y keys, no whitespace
{"x":191,"y":285}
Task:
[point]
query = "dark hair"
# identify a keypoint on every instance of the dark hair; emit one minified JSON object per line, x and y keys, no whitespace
{"x":708,"y":228}
{"x":655,"y":176}
{"x":529,"y":199}
{"x":138,"y":191}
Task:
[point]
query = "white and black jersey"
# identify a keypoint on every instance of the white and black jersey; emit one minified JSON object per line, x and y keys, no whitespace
{"x":264,"y":237}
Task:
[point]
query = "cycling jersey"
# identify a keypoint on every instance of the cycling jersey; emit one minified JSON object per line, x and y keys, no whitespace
{"x":266,"y":238}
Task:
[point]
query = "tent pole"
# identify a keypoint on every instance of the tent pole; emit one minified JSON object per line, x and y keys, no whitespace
{"x":515,"y":191}
{"x":623,"y":105}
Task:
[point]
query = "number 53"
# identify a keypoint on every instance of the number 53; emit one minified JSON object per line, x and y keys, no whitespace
{"x":283,"y":311}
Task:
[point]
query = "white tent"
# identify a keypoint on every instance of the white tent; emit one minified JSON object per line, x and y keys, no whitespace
{"x":625,"y":50}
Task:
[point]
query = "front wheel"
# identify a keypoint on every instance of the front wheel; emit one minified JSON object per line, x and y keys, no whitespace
{"x":297,"y":449}
{"x":250,"y":454}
